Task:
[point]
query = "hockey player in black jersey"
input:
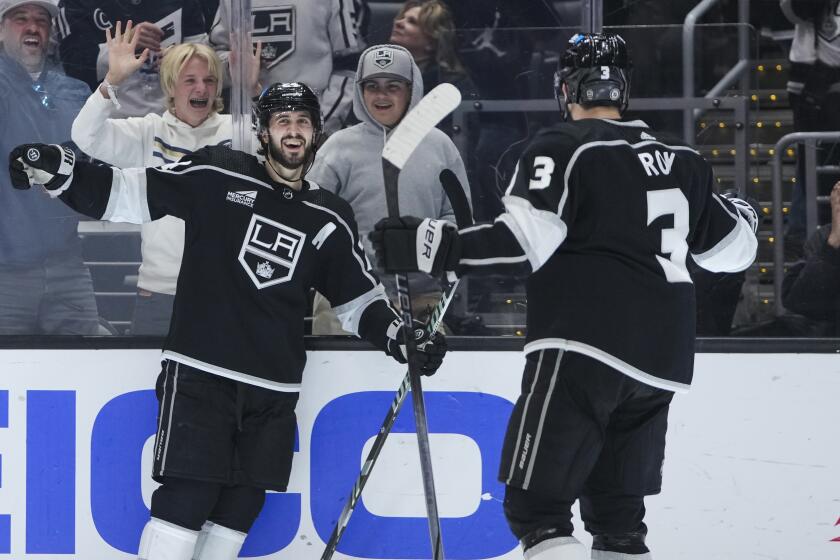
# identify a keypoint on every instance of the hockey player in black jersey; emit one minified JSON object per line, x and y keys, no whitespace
{"x":259,"y":236}
{"x":601,"y":215}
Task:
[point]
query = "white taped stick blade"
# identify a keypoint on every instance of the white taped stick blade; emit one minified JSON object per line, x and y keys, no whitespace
{"x":432,"y":109}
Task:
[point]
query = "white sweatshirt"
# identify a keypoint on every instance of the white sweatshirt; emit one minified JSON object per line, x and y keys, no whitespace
{"x":148,"y":141}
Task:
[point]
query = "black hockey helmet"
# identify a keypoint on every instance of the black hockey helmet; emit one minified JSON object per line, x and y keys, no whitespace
{"x":292,"y":96}
{"x":596,"y":69}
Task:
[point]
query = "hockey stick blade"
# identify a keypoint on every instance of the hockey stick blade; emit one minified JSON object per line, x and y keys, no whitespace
{"x":428,"y":112}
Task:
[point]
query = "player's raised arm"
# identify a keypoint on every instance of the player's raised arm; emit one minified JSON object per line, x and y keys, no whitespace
{"x":133,"y":195}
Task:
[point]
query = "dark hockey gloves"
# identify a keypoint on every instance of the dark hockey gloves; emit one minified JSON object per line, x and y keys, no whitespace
{"x":408,"y":244}
{"x":430,"y":351}
{"x":747,"y":208}
{"x":50,"y":165}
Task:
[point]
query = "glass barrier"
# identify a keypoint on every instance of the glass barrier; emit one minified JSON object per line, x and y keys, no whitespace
{"x":734,"y":114}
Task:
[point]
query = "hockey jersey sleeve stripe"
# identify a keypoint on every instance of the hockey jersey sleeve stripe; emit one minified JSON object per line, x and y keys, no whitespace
{"x":351,"y":312}
{"x":733,"y":253}
{"x":608,"y":359}
{"x":358,"y":253}
{"x":175,"y":170}
{"x":128,"y":201}
{"x":538,"y":232}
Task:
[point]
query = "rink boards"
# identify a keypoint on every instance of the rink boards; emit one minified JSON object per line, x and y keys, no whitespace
{"x":751,"y":468}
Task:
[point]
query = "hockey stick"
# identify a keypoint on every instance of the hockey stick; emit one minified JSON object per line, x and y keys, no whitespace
{"x":419,"y":122}
{"x":414,"y":127}
{"x":463,"y":216}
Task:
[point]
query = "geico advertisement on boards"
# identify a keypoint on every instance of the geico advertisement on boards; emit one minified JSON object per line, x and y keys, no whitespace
{"x":750,"y":468}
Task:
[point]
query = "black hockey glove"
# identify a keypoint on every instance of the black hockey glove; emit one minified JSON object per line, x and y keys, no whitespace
{"x":50,"y":165}
{"x":748,"y":209}
{"x":408,"y":244}
{"x":430,"y":351}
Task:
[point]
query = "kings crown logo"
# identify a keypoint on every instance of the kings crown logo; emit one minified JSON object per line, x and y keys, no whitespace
{"x":383,"y":58}
{"x":265,"y":270}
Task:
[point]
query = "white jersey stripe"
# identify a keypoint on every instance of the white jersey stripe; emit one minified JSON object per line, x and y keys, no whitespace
{"x":350,"y":313}
{"x":733,"y":253}
{"x":128,"y":201}
{"x":608,"y":359}
{"x":231,"y":374}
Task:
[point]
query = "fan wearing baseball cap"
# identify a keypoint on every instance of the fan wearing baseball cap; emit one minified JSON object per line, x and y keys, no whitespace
{"x":45,"y":288}
{"x":388,"y":85}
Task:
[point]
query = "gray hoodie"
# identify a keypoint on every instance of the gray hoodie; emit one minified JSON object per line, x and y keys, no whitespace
{"x":350,"y":165}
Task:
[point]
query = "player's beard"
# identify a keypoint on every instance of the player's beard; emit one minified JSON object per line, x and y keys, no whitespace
{"x":289,"y":161}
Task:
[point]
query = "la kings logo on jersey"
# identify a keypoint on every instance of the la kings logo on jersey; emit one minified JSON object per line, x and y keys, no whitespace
{"x":270,"y":251}
{"x":275,"y":27}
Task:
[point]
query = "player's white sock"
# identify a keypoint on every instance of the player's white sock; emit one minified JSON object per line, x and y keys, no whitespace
{"x":558,"y":548}
{"x":166,"y":541}
{"x":609,"y":555}
{"x":218,"y":543}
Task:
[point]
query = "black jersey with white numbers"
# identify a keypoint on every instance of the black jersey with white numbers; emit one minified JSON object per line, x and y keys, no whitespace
{"x":602,"y":215}
{"x":253,"y":250}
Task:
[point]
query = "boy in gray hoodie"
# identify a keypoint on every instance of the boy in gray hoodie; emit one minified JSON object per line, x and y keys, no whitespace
{"x":388,"y":85}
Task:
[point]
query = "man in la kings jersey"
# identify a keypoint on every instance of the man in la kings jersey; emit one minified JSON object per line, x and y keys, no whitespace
{"x":601,"y":215}
{"x":259,"y":236}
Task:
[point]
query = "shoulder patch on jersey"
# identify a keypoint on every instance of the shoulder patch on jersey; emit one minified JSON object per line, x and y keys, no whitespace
{"x":245,"y":198}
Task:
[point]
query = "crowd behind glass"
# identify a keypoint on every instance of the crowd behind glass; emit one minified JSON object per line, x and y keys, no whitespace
{"x":144,"y":83}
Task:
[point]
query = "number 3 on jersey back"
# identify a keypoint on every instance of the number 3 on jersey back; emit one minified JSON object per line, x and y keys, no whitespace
{"x":664,"y":203}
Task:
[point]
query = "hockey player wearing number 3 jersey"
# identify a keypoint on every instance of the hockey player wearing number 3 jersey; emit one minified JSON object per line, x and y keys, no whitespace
{"x":258,"y":236}
{"x":601,"y":214}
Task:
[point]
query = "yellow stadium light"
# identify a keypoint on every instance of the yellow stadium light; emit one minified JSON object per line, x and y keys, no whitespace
{"x":732,"y":152}
{"x":722,"y":124}
{"x":761,"y":68}
{"x":790,"y":152}
{"x":702,"y":125}
{"x":785,"y":210}
{"x":763,"y":270}
{"x":771,"y":152}
{"x":715,"y":152}
{"x":765,"y":210}
{"x":754,"y":97}
{"x":759,"y":124}
{"x":778,"y":124}
{"x":755,"y":180}
{"x":773,"y":97}
{"x":753,"y":152}
{"x":778,"y":68}
{"x":771,"y":239}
